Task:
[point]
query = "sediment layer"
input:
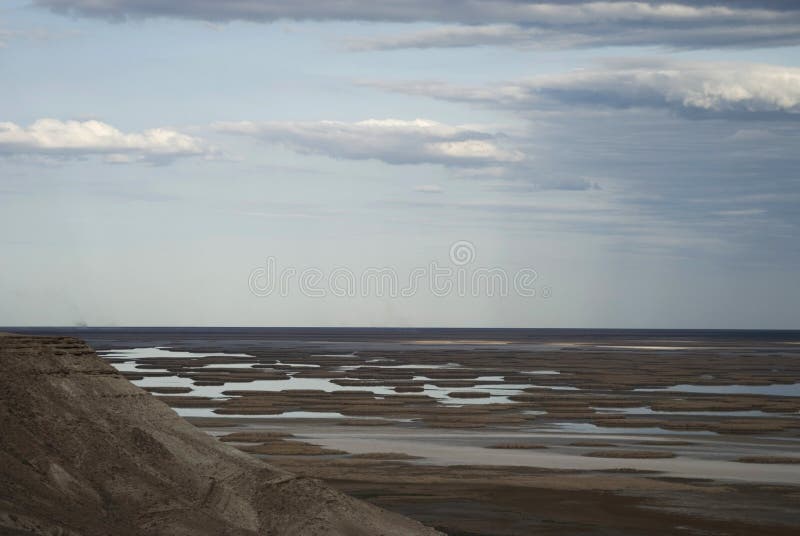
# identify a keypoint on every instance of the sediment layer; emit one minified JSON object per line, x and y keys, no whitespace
{"x":85,"y":452}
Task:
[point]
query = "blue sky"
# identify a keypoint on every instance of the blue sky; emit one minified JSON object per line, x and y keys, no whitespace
{"x":641,"y":157}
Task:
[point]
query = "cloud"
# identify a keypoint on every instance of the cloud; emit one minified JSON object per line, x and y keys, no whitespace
{"x":393,"y":141}
{"x":33,"y":34}
{"x":525,"y":37}
{"x":8,"y":35}
{"x":741,"y":212}
{"x":78,"y":139}
{"x":554,"y":211}
{"x":429,"y":189}
{"x":751,"y":134}
{"x":468,"y":152}
{"x":755,"y":91}
{"x":547,"y":183}
{"x":461,"y":11}
{"x":676,"y":23}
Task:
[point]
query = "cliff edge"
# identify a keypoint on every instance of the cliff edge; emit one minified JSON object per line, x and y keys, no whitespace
{"x":85,"y":452}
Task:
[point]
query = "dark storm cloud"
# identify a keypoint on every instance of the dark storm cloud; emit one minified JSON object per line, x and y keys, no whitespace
{"x":667,"y":188}
{"x":496,"y":22}
{"x":728,"y":189}
{"x":649,"y":181}
{"x":707,"y":34}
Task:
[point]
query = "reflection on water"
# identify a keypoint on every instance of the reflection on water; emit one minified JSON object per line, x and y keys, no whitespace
{"x":290,"y":384}
{"x":131,"y":366}
{"x":209,"y":412}
{"x":167,"y":381}
{"x":498,"y":392}
{"x":644,"y":410}
{"x":773,"y":389}
{"x":655,"y":348}
{"x":410,"y":366}
{"x":228,"y":366}
{"x":162,"y":351}
{"x":584,"y":427}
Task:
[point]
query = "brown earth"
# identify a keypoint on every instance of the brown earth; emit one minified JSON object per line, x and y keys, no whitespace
{"x":521,"y":446}
{"x":768,"y":459}
{"x":84,"y":452}
{"x":282,"y":447}
{"x":516,"y":501}
{"x":633,"y":454}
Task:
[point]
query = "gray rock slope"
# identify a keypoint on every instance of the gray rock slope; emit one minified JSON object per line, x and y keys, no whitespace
{"x":85,"y":452}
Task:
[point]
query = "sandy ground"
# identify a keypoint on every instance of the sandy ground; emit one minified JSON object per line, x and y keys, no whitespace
{"x":463,"y":488}
{"x":593,"y":408}
{"x":442,"y":450}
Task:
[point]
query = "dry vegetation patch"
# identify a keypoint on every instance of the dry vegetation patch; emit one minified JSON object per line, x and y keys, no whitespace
{"x":408,"y":389}
{"x":365,"y":422}
{"x":769,"y":459}
{"x":168,"y":390}
{"x":632,"y":454}
{"x":253,"y":437}
{"x":282,"y":447}
{"x":385,"y":456}
{"x":178,"y":401}
{"x":211,"y":422}
{"x":666,"y":443}
{"x":469,"y":394}
{"x":520,"y":446}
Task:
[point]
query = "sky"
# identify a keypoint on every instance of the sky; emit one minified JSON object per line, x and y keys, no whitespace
{"x":481,"y":163}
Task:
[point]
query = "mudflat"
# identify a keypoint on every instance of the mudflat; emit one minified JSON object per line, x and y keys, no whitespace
{"x":619,"y":433}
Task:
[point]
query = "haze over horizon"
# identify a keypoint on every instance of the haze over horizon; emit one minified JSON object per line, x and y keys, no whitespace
{"x":636,"y":161}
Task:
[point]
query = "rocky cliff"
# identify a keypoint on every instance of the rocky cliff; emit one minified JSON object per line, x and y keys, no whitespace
{"x":85,"y":452}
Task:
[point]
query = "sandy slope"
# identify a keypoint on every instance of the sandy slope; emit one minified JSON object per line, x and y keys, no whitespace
{"x":82,"y":451}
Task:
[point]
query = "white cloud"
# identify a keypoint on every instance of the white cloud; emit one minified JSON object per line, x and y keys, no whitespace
{"x":429,"y":189}
{"x":33,"y":34}
{"x":393,"y":141}
{"x":53,"y":137}
{"x":751,"y":134}
{"x":714,"y":89}
{"x":472,"y":153}
{"x":741,"y":212}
